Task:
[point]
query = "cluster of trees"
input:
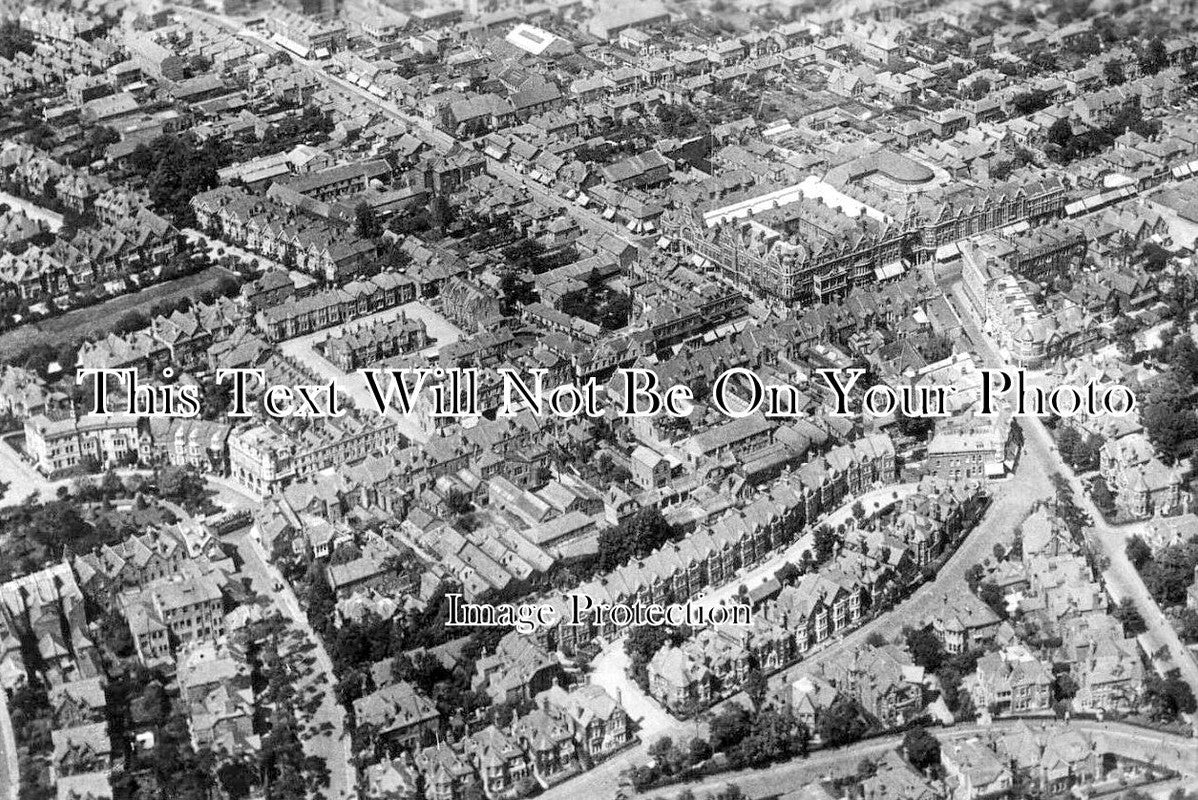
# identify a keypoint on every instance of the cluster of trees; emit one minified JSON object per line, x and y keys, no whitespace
{"x":1168,"y":573}
{"x":1065,"y":145}
{"x":744,"y":739}
{"x":516,"y":292}
{"x":1129,"y":617}
{"x":637,"y":536}
{"x":36,"y":531}
{"x":1169,"y":695}
{"x":950,"y":669}
{"x":529,"y":255}
{"x":1031,"y":101}
{"x":354,"y":646}
{"x":1167,"y":410}
{"x":312,"y":126}
{"x":280,"y":659}
{"x":172,"y":769}
{"x":599,"y":304}
{"x":175,"y":169}
{"x":643,"y":642}
{"x":1079,"y":452}
{"x":14,"y":39}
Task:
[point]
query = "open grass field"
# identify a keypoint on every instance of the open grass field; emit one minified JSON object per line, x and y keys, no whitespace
{"x":96,"y":321}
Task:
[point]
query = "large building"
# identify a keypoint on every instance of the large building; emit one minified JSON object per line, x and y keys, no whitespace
{"x":103,"y":440}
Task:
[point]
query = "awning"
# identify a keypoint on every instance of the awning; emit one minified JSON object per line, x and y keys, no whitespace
{"x":947,"y":252}
{"x":995,"y":470}
{"x":663,"y":242}
{"x":609,"y":214}
{"x":889,"y":271}
{"x":294,"y":47}
{"x":582,"y":199}
{"x":322,"y":52}
{"x":1185,"y":169}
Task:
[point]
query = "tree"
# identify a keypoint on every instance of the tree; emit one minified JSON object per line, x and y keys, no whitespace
{"x":664,"y":754}
{"x":1183,"y":359}
{"x":366,"y":221}
{"x":729,"y":727}
{"x":1168,"y":416}
{"x":237,"y":779}
{"x":1060,"y":132}
{"x":1168,"y":574}
{"x":1169,"y":695}
{"x":922,"y":748}
{"x":516,"y":292}
{"x":14,"y":39}
{"x":756,"y":687}
{"x":1138,"y":552}
{"x":926,"y":650}
{"x":842,"y":723}
{"x":440,"y":212}
{"x":1068,"y":441}
{"x":1063,"y":686}
{"x":1113,"y":72}
{"x":787,"y":574}
{"x":1154,"y":57}
{"x":699,"y":750}
{"x":1100,"y":493}
{"x":458,"y":502}
{"x":1187,"y":625}
{"x":826,"y":542}
{"x":637,"y":536}
{"x":950,"y":686}
{"x":129,"y":322}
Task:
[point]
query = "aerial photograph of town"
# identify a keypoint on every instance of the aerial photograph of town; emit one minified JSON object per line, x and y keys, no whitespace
{"x":598,"y":399}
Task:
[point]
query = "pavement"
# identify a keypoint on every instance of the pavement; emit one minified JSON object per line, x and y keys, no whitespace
{"x":22,"y":478}
{"x":52,"y":219}
{"x":610,"y":670}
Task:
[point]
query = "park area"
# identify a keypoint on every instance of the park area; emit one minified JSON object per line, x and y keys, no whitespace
{"x":97,"y":321}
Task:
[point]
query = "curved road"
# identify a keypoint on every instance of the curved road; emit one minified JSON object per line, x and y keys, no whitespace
{"x":1163,"y":749}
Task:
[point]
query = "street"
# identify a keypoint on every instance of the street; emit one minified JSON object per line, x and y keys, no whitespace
{"x":1162,"y":749}
{"x":333,"y":747}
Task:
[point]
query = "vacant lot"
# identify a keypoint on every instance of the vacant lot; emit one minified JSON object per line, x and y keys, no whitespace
{"x":96,"y":321}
